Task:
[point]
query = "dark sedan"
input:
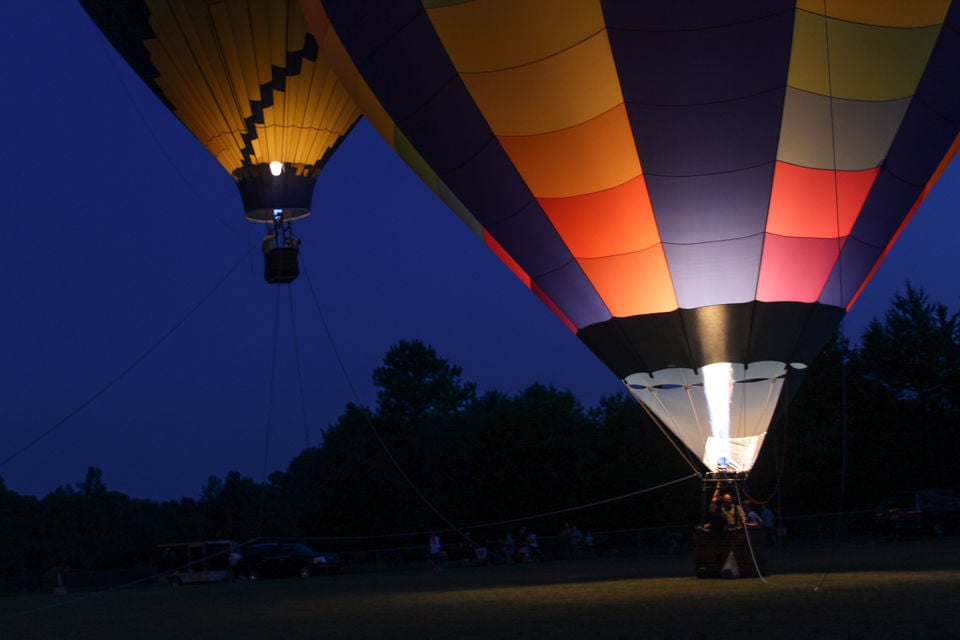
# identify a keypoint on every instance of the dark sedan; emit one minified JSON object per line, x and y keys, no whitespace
{"x":284,"y":559}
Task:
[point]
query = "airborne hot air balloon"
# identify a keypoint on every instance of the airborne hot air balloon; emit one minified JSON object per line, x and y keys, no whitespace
{"x":246,"y":78}
{"x":698,"y":189}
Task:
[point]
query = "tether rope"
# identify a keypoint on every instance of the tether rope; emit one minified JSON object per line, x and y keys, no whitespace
{"x":266,"y":438}
{"x":487,"y":525}
{"x":296,"y":355}
{"x":746,"y":534}
{"x":366,"y":415}
{"x":123,"y":372}
{"x":588,"y":505}
{"x":271,"y":394}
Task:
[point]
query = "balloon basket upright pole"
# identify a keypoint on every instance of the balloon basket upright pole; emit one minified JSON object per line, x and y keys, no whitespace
{"x":719,"y":551}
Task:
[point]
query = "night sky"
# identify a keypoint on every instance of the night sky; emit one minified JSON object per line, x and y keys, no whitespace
{"x":140,"y":333}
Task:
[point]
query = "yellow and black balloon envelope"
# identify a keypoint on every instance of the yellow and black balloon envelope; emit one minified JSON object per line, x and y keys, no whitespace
{"x":247,"y":79}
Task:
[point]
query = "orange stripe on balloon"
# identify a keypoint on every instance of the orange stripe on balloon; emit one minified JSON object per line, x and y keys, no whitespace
{"x":595,"y":155}
{"x":610,"y":222}
{"x":633,"y":284}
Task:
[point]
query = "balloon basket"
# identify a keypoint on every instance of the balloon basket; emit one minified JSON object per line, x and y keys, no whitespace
{"x":726,"y":553}
{"x":712,"y":553}
{"x":280,"y":265}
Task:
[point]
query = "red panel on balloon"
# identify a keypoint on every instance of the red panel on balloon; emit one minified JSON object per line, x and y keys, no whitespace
{"x":816,"y":203}
{"x":796,"y":269}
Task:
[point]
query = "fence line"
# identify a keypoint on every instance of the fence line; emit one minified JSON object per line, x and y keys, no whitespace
{"x":824,"y":528}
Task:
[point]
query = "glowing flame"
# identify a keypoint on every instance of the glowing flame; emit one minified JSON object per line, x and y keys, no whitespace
{"x":718,"y":388}
{"x":276,"y":168}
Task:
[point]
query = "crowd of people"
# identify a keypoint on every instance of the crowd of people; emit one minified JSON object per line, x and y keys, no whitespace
{"x":524,"y":547}
{"x":724,"y":514}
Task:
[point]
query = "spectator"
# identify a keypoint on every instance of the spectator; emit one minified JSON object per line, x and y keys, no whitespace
{"x":753,"y":518}
{"x":436,"y":552}
{"x":529,"y":547}
{"x":768,"y":523}
{"x":509,"y":548}
{"x":576,"y":540}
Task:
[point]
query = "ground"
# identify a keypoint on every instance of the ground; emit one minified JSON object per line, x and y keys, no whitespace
{"x":909,"y":588}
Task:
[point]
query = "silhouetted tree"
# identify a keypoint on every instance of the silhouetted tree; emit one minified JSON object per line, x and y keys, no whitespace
{"x":20,"y":534}
{"x":415,"y":383}
{"x":909,"y":361}
{"x":232,"y":508}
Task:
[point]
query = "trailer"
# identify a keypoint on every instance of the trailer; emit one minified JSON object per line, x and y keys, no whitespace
{"x":196,"y":562}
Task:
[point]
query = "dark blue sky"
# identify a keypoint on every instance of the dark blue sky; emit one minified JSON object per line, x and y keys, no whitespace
{"x":118,"y":224}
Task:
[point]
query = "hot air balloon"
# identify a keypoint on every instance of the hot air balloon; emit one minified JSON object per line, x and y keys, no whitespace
{"x":246,"y":78}
{"x":699,"y":190}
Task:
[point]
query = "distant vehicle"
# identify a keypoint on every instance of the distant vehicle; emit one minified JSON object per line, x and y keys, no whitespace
{"x":921,"y":511}
{"x":283,"y":560}
{"x":196,"y":562}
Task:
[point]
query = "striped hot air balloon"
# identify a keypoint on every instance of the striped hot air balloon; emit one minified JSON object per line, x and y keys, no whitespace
{"x":697,"y":189}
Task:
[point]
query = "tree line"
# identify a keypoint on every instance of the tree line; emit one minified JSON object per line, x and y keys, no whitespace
{"x":432,"y":453}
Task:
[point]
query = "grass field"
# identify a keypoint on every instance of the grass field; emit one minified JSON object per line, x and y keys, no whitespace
{"x":906,"y":589}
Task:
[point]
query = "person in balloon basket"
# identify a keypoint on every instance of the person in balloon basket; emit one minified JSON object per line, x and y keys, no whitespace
{"x":724,"y":514}
{"x":269,"y":243}
{"x":714,"y":523}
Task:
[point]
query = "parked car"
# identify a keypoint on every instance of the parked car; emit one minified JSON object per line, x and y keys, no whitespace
{"x":926,"y":511}
{"x":284,"y":559}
